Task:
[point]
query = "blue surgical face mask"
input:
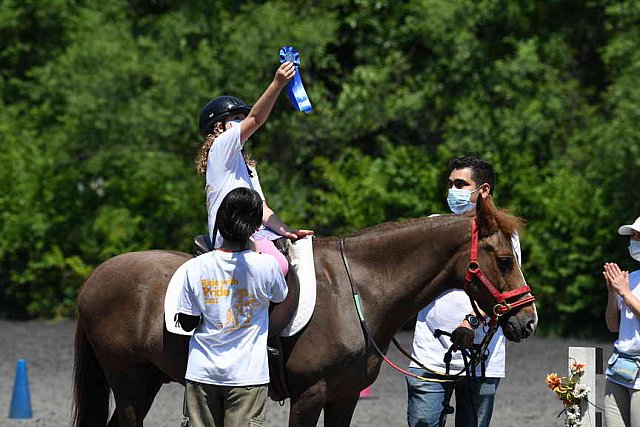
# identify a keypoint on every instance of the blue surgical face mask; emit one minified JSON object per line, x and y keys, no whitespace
{"x":634,"y":249}
{"x":459,"y":200}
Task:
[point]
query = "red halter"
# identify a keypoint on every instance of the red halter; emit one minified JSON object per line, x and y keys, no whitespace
{"x":502,"y":306}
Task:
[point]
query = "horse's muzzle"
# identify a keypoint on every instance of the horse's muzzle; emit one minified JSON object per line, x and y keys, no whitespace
{"x":521,"y":325}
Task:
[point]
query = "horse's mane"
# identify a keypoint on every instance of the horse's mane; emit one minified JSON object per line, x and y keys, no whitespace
{"x":506,"y":222}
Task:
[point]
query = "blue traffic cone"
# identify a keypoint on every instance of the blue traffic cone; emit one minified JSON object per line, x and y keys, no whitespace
{"x":21,"y":399}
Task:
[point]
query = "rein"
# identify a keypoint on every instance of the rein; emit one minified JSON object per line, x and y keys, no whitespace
{"x":365,"y":327}
{"x":479,"y":353}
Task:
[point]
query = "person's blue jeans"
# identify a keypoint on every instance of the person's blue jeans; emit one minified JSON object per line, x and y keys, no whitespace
{"x":428,"y":402}
{"x":475,"y":398}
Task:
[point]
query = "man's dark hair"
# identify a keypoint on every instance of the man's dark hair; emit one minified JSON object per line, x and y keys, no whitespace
{"x":481,"y":172}
{"x":239,"y":215}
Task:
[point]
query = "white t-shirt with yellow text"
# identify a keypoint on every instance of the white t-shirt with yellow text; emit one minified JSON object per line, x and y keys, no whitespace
{"x":232,"y":291}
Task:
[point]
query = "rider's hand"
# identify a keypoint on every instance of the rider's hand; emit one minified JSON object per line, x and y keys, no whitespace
{"x":297,"y":234}
{"x":463,"y":336}
{"x":285,"y":73}
{"x":303,"y":233}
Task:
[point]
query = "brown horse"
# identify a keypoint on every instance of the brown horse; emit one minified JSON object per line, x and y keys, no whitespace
{"x":398,"y":268}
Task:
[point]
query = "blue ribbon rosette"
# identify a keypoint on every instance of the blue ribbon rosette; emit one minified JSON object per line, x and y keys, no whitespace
{"x":295,"y":89}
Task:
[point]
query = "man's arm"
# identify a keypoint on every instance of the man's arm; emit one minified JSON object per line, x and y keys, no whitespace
{"x":464,"y":335}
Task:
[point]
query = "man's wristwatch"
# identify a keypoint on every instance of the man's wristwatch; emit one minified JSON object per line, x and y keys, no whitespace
{"x":473,"y":320}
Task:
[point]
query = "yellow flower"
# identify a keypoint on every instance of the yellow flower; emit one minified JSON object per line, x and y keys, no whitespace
{"x":554,"y":382}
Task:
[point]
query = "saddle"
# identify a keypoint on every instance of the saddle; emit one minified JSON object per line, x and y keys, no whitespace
{"x":280,"y":315}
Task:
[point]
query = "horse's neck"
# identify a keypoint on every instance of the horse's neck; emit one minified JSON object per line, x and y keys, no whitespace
{"x":401,"y":269}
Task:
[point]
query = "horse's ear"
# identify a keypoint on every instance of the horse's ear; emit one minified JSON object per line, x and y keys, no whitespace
{"x":487,"y":223}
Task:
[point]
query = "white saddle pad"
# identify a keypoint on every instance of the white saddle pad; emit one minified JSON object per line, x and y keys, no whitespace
{"x":301,"y":254}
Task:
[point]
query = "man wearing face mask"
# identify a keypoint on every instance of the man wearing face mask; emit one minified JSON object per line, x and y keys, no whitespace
{"x":428,"y":402}
{"x":622,"y":389}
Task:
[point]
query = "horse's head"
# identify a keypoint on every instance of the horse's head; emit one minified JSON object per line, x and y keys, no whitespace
{"x":493,"y":277}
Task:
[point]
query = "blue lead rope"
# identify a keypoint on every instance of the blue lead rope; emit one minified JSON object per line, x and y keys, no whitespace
{"x":295,"y":89}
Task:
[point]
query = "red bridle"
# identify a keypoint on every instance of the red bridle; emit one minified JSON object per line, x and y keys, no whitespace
{"x":502,"y":306}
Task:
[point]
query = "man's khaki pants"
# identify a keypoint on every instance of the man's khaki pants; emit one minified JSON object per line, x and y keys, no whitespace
{"x":210,"y":405}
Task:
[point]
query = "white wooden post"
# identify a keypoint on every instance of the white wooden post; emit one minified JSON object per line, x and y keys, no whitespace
{"x":592,"y":357}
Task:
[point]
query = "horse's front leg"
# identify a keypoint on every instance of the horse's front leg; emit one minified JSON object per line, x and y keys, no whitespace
{"x":339,"y":413}
{"x":304,"y":410}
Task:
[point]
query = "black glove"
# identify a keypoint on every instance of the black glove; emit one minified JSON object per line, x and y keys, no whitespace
{"x":186,"y":321}
{"x":462,"y":337}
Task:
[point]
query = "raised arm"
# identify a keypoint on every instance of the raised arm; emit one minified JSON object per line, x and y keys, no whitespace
{"x":262,"y":108}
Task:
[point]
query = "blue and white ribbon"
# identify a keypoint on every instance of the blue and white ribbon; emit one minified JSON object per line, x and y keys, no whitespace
{"x":295,"y":89}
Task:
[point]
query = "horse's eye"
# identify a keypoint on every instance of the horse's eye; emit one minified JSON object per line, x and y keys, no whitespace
{"x":505,"y":263}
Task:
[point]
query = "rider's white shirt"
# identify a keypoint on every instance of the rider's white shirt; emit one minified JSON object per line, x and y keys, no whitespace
{"x":226,"y":171}
{"x":232,"y":292}
{"x":445,"y":313}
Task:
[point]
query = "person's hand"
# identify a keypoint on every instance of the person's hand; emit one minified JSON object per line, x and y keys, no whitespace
{"x":617,"y":280}
{"x":303,"y":233}
{"x":297,"y":234}
{"x":463,"y":336}
{"x":284,"y":73}
{"x":606,"y":278}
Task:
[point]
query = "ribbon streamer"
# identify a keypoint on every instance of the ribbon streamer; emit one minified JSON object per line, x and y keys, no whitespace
{"x":295,"y":89}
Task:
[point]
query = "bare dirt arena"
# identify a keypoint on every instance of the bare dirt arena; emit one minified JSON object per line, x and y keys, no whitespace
{"x":522,"y":400}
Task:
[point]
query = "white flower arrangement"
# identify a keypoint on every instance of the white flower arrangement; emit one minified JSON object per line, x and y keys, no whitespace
{"x":571,"y":392}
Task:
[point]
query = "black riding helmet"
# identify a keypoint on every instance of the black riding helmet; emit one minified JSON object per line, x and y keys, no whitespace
{"x":217,"y":109}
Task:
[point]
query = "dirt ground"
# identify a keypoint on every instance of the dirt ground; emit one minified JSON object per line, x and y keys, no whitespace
{"x":522,"y":399}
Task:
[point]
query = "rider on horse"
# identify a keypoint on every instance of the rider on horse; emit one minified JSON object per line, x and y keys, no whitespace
{"x":226,"y":123}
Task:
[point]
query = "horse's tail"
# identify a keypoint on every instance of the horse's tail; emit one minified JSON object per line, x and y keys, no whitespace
{"x":90,"y":387}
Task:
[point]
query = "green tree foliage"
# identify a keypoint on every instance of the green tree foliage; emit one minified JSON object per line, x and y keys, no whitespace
{"x":99,"y":107}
